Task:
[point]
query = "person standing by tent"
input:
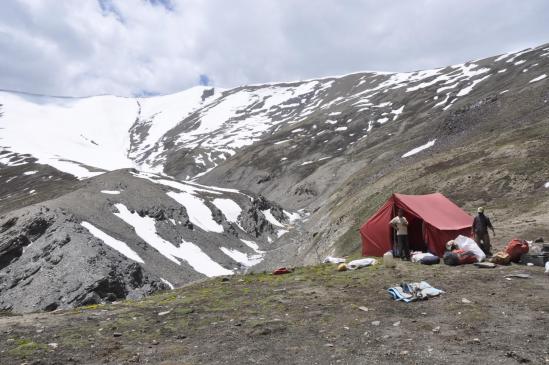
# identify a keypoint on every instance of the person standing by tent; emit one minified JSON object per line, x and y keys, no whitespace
{"x":481,"y":223}
{"x":400,"y":224}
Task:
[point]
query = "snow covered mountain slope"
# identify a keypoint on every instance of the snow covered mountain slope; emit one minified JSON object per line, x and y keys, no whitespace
{"x":88,"y":136}
{"x":108,"y":197}
{"x":189,"y":133}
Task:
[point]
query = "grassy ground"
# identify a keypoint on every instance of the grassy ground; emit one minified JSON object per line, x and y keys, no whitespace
{"x":311,"y":316}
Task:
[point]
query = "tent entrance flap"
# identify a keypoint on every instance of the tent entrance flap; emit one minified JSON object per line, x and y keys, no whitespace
{"x":415,"y":235}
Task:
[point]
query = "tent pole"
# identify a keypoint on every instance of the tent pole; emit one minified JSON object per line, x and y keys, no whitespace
{"x":423,"y":235}
{"x":395,"y":243}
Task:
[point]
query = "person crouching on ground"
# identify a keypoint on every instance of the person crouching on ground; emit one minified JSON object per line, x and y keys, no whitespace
{"x":400,"y":224}
{"x":481,"y":223}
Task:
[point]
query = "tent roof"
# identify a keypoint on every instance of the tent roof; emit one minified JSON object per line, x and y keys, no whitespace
{"x":436,"y":209}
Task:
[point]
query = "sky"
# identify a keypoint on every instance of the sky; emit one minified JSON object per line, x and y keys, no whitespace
{"x":149,"y":47}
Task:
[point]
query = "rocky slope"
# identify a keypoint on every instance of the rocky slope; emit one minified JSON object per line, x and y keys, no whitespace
{"x":125,"y":234}
{"x":301,"y":164}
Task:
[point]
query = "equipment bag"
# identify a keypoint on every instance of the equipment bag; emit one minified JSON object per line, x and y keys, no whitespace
{"x":515,"y":248}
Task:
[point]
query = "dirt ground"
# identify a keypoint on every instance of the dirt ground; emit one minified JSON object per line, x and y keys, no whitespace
{"x":310,"y":316}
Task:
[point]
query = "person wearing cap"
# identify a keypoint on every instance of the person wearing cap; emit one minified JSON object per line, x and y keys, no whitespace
{"x":481,"y":223}
{"x":400,"y":224}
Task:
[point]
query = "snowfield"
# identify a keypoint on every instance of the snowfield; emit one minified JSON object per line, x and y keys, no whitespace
{"x":68,"y":133}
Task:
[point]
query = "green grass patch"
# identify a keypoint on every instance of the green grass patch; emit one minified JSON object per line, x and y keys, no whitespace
{"x":26,"y":348}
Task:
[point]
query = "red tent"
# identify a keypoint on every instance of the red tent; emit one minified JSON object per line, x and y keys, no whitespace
{"x":433,"y":220}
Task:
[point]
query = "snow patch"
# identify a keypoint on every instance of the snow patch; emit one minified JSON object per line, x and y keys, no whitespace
{"x":515,"y":55}
{"x":502,"y":57}
{"x":241,"y":257}
{"x":199,"y":214}
{"x":252,"y":245}
{"x":539,"y":78}
{"x":112,"y":242}
{"x":110,"y":192}
{"x":469,"y":88}
{"x":167,"y":283}
{"x":271,"y":219}
{"x":292,"y":217}
{"x":397,"y":112}
{"x":187,"y":251}
{"x":443,"y":102}
{"x":229,"y":208}
{"x":419,"y":149}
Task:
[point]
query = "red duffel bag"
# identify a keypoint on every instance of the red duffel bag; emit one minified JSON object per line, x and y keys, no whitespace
{"x":515,"y":248}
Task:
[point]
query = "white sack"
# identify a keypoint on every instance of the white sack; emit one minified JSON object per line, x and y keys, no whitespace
{"x":357,"y":264}
{"x":468,"y":244}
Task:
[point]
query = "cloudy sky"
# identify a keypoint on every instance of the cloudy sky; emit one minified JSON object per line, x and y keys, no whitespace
{"x":141,"y":47}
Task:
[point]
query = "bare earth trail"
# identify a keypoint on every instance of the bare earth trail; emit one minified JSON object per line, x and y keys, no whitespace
{"x":310,"y":316}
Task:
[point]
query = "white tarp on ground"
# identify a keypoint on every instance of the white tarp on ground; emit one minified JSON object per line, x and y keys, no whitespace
{"x":467,"y":244}
{"x":333,"y":260}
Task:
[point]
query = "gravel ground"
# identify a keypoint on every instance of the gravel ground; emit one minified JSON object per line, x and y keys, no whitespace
{"x":314,"y":315}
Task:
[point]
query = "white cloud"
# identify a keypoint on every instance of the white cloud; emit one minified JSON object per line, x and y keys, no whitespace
{"x":128,"y":47}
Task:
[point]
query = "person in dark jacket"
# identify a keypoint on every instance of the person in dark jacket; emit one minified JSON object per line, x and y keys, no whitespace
{"x":481,"y":223}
